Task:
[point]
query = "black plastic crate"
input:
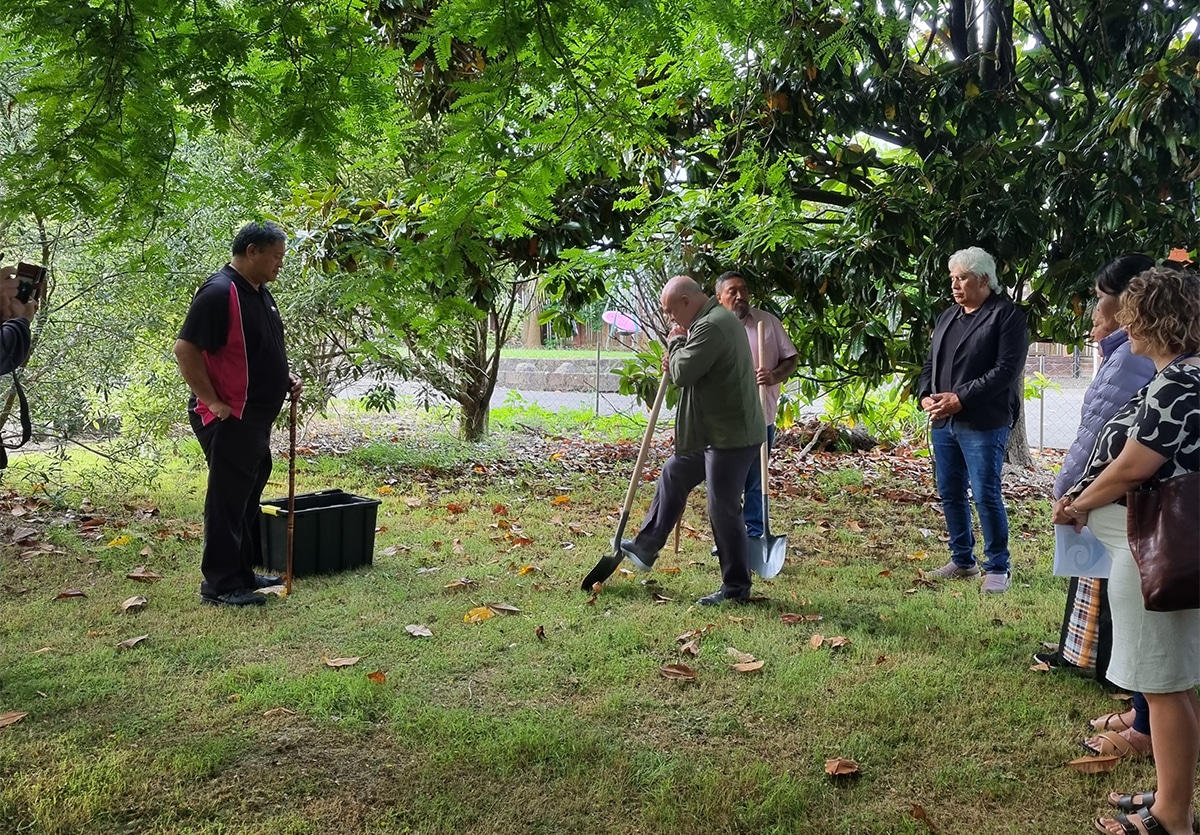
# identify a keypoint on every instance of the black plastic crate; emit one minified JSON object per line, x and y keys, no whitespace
{"x":335,"y":531}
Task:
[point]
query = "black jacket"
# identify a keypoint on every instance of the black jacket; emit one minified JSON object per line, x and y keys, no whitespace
{"x":988,"y":366}
{"x":14,"y":344}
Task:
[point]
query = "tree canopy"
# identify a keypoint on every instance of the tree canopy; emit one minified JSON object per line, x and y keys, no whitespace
{"x":443,"y":155}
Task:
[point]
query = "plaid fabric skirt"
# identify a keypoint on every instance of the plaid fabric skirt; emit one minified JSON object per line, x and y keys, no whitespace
{"x":1081,"y":638}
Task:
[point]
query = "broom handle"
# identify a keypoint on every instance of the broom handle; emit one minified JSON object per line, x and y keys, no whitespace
{"x":291,"y":520}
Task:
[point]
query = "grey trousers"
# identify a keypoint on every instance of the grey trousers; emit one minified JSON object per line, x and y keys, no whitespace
{"x":725,"y":471}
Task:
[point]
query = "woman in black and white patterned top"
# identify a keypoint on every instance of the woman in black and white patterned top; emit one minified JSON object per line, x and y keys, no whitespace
{"x":1154,"y":437}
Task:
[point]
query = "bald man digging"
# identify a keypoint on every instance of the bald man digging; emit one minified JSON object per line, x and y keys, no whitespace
{"x":718,"y":432}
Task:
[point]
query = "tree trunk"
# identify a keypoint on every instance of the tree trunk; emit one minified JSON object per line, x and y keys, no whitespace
{"x":1018,"y":453}
{"x":473,"y":421}
{"x":531,"y":336}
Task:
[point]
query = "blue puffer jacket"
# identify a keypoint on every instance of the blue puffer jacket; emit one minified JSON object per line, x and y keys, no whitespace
{"x":1120,"y":376}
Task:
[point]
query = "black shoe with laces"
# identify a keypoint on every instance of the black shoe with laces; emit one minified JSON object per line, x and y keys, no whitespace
{"x":721,"y":595}
{"x":237,"y":597}
{"x":264,"y":581}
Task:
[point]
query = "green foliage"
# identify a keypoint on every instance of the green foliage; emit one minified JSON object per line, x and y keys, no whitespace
{"x":641,"y":376}
{"x":1038,"y":384}
{"x":888,"y":412}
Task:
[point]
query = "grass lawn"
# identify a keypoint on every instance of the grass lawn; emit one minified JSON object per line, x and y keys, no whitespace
{"x":555,"y":719}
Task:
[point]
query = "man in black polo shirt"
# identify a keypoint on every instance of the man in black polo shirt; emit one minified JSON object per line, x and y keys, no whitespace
{"x":231,"y":353}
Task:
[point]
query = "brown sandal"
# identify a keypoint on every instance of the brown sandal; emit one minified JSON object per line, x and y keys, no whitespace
{"x":1110,"y":744}
{"x":1109,"y":722}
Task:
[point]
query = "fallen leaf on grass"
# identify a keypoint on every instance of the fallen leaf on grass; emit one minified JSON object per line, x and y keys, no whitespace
{"x":691,"y":648}
{"x":418,"y":631}
{"x":1120,"y":697}
{"x":134,"y":603}
{"x":1040,"y":667}
{"x":749,"y":666}
{"x":457,"y":546}
{"x":742,"y":657}
{"x":1095,"y":765}
{"x":43,"y":650}
{"x":660,"y":598}
{"x":143,"y":575}
{"x":839,"y":641}
{"x":340,"y":662}
{"x":918,"y":812}
{"x":68,"y":594}
{"x":674,"y":569}
{"x":277,"y":712}
{"x":460,"y":583}
{"x":917,"y":555}
{"x":503,"y":609}
{"x":377,"y":677}
{"x":626,"y":572}
{"x":561,"y":500}
{"x":816,"y":640}
{"x":527,"y":569}
{"x":855,"y":526}
{"x":540,"y":633}
{"x":790,"y":618}
{"x":881,"y":659}
{"x":885,"y":573}
{"x":841,"y":767}
{"x":414,"y":502}
{"x":499,"y":510}
{"x":386,"y":490}
{"x":12,"y":717}
{"x":827,"y":563}
{"x":680,"y":672}
{"x":455,"y":507}
{"x":279,"y":590}
{"x":130,"y":643}
{"x":478,"y":615}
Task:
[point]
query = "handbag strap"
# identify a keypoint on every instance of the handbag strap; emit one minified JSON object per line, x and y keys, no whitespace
{"x":26,"y":424}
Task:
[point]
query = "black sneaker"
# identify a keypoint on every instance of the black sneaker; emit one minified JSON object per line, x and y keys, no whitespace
{"x":238,"y":597}
{"x":721,"y":596}
{"x":265,"y":581}
{"x":1051,"y":659}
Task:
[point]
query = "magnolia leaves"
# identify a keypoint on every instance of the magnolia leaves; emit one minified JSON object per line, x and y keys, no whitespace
{"x":488,"y":611}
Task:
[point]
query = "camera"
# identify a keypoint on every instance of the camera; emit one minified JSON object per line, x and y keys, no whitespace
{"x":31,"y":278}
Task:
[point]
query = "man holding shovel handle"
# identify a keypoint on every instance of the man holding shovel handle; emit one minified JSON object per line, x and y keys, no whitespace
{"x":719,"y":429}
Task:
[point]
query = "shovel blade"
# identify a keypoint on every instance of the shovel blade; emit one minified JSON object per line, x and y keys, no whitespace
{"x":603,"y":570}
{"x":774,"y":551}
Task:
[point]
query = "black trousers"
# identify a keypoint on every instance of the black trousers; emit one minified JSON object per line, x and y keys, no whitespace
{"x":724,"y":470}
{"x":239,"y":464}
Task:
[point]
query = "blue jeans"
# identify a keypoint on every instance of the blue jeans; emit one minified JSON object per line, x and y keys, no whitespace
{"x":965,"y":456}
{"x":752,"y":510}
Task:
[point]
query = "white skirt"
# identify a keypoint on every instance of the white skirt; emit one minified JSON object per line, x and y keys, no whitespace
{"x":1153,"y":652}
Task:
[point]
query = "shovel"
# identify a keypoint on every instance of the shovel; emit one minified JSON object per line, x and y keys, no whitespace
{"x":608,"y":564}
{"x":291,"y":511}
{"x":767,"y":555}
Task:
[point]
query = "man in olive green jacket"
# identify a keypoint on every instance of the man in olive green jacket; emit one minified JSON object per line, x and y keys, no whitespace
{"x":718,"y":432}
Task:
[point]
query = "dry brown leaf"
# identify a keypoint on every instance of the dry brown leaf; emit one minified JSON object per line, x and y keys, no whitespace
{"x":457,"y":546}
{"x":143,"y":575}
{"x":520,"y":542}
{"x":917,"y":555}
{"x":1040,"y":667}
{"x":742,"y":657}
{"x":841,"y":767}
{"x":68,"y":594}
{"x":816,"y":640}
{"x":277,"y":712}
{"x":455,"y":507}
{"x":885,"y":573}
{"x":377,"y":677}
{"x":418,"y":631}
{"x":503,"y":608}
{"x":660,"y":598}
{"x":414,"y":501}
{"x":790,"y":618}
{"x":130,"y":643}
{"x":12,"y":717}
{"x":134,"y":603}
{"x":674,"y":569}
{"x":499,"y":510}
{"x":341,"y":662}
{"x":855,"y":526}
{"x":681,"y":672}
{"x":478,"y":615}
{"x":558,"y":500}
{"x":540,"y":632}
{"x":839,"y":641}
{"x":749,"y":666}
{"x":527,"y":569}
{"x":145,"y":552}
{"x":597,"y":587}
{"x":1120,"y":697}
{"x":591,"y":601}
{"x":918,"y":812}
{"x":279,"y":590}
{"x":881,"y":659}
{"x":43,"y":650}
{"x":691,"y":648}
{"x":828,"y":563}
{"x":1095,"y":765}
{"x":460,"y":583}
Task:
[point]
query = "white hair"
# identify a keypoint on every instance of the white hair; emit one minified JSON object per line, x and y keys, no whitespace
{"x":978,"y":262}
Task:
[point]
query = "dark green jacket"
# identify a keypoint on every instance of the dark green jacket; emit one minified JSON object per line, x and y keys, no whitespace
{"x":713,"y":368}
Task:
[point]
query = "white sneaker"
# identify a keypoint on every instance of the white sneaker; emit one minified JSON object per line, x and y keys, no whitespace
{"x":954,"y":571}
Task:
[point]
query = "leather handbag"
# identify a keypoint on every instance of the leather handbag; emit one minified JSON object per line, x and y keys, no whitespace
{"x":1162,"y":524}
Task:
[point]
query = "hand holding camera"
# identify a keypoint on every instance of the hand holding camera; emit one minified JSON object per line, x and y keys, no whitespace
{"x":20,"y":290}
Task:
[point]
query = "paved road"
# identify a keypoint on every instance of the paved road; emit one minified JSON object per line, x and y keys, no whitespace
{"x":1052,"y":423}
